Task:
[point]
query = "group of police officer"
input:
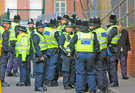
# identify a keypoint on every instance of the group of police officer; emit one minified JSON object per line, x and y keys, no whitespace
{"x":81,"y":51}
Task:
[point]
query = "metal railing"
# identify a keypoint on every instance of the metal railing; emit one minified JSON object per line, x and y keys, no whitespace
{"x":80,"y":14}
{"x":120,"y":15}
{"x":3,"y":16}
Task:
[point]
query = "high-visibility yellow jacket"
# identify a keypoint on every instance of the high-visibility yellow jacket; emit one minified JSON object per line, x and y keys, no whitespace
{"x":22,"y":45}
{"x":50,"y":39}
{"x":102,"y":37}
{"x":117,"y":37}
{"x":67,"y":41}
{"x":12,"y":31}
{"x":85,"y":42}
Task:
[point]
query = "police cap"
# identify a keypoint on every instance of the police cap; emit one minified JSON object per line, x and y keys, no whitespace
{"x":5,"y":21}
{"x":22,"y":28}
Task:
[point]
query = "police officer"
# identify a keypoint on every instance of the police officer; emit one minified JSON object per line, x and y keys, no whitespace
{"x":22,"y":49}
{"x":75,"y":16}
{"x":84,"y":44}
{"x":58,"y":21}
{"x":30,"y":31}
{"x":113,"y":37}
{"x":91,"y":23}
{"x":77,"y":25}
{"x":4,"y":50}
{"x":60,"y":59}
{"x":100,"y":58}
{"x":13,"y":61}
{"x":52,"y":37}
{"x":40,"y":48}
{"x":71,"y":19}
{"x":68,"y":62}
{"x":63,"y":23}
{"x":91,"y":26}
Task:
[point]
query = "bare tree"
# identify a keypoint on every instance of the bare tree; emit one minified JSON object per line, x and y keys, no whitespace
{"x":87,"y":5}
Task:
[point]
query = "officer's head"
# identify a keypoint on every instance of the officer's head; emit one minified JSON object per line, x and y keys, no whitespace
{"x":7,"y":23}
{"x":59,"y":20}
{"x":78,"y":24}
{"x":64,"y":19}
{"x":75,"y":16}
{"x":22,"y":29}
{"x":72,"y":20}
{"x":30,"y":22}
{"x":53,"y":22}
{"x":91,"y":23}
{"x":84,"y":25}
{"x":68,"y":27}
{"x":48,"y":24}
{"x":39,"y":19}
{"x":17,"y":19}
{"x":40,"y":26}
{"x":97,"y":22}
{"x":120,"y":27}
{"x":112,"y":19}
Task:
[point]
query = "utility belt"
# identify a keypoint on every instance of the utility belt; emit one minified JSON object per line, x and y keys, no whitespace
{"x":111,"y":47}
{"x":12,"y":43}
{"x":72,"y":54}
{"x":76,"y":54}
{"x":37,"y":59}
{"x":114,"y":45}
{"x":55,"y":51}
{"x":103,"y":50}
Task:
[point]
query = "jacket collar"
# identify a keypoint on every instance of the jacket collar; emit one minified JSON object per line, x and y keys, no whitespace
{"x":110,"y":25}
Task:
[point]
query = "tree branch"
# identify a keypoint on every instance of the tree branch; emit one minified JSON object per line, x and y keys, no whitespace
{"x":82,"y":9}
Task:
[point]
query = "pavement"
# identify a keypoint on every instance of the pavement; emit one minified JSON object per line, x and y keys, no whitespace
{"x":30,"y":89}
{"x":125,"y":86}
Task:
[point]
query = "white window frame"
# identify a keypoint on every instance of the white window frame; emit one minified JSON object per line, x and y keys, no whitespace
{"x":35,"y":2}
{"x":11,"y":14}
{"x":59,"y":6}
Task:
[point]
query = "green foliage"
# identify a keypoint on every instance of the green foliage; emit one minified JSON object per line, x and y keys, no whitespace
{"x":125,"y":22}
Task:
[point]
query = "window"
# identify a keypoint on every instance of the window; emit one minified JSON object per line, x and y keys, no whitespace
{"x":60,"y":6}
{"x":11,"y":4}
{"x":35,"y":4}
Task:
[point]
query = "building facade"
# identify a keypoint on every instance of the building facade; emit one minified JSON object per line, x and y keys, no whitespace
{"x":51,"y":6}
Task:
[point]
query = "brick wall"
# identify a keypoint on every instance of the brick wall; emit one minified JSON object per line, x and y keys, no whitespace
{"x":131,"y":59}
{"x":70,"y":8}
{"x":49,"y":6}
{"x":2,"y":6}
{"x":23,"y":4}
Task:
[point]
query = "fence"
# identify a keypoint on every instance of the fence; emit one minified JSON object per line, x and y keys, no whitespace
{"x":82,"y":15}
{"x":4,"y":16}
{"x":25,"y":14}
{"x":124,"y":10}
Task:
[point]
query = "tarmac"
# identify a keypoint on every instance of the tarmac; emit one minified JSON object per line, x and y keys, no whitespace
{"x":125,"y":86}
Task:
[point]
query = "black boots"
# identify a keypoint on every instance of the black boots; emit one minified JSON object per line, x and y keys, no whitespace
{"x":113,"y":84}
{"x":5,"y":84}
{"x":42,"y":89}
{"x":125,"y":77}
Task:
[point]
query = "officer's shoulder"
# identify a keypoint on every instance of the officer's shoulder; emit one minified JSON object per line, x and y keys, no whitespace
{"x":5,"y":32}
{"x":114,"y":28}
{"x":62,"y":35}
{"x":94,"y":32}
{"x":35,"y":35}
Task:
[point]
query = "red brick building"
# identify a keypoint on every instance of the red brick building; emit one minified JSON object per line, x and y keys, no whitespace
{"x":51,"y":6}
